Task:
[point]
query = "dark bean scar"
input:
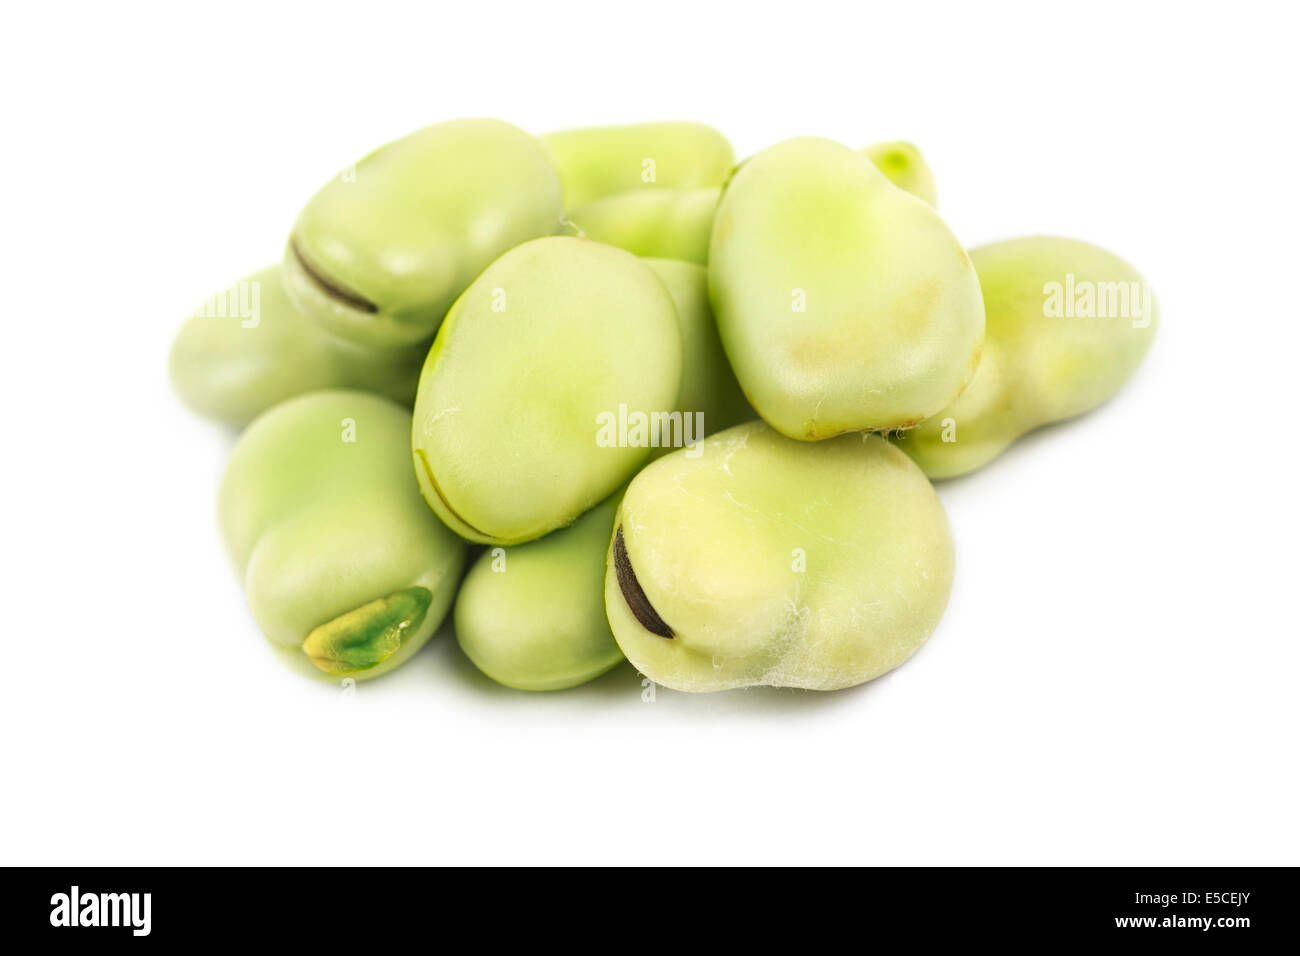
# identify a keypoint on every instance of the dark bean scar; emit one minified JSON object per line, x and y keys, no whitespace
{"x":637,"y":602}
{"x":329,"y":287}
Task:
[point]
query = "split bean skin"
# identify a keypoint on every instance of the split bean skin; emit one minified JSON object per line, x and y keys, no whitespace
{"x":844,"y":303}
{"x":257,"y":350}
{"x":532,"y":617}
{"x":347,"y":571}
{"x":380,"y":252}
{"x":553,"y":337}
{"x":678,"y":223}
{"x":602,"y":160}
{"x":767,"y":560}
{"x":1039,"y":364}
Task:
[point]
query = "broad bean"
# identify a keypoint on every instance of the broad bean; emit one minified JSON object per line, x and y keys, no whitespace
{"x":347,"y":571}
{"x":771,"y":561}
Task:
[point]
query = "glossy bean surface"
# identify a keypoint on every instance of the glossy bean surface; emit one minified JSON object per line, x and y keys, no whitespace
{"x":381,"y":251}
{"x":527,"y":407}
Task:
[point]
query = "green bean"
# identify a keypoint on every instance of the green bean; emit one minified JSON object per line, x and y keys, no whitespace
{"x":532,"y":617}
{"x":526,"y":410}
{"x":381,"y":252}
{"x":1068,"y":323}
{"x":844,"y":303}
{"x":249,"y":348}
{"x":601,"y":160}
{"x":347,"y":571}
{"x":766,"y":560}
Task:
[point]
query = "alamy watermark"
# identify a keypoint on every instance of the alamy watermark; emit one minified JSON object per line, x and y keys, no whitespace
{"x":1085,"y":299}
{"x":242,"y":301}
{"x":75,"y":908}
{"x":629,"y":429}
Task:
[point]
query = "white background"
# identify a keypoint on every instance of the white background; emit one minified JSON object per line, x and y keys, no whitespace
{"x":1115,"y":680}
